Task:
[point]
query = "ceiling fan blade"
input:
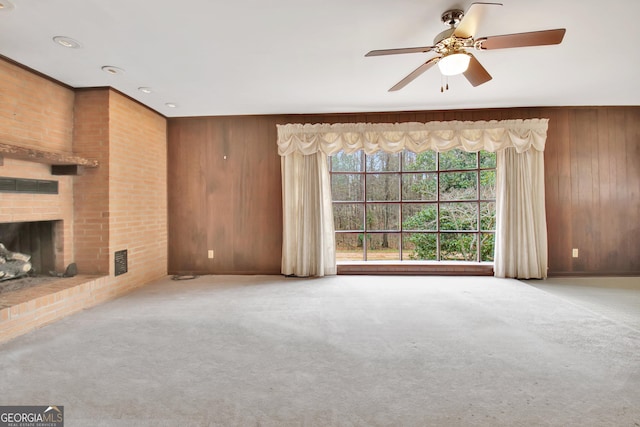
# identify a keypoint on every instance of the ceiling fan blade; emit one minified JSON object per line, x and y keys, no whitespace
{"x":476,"y":73}
{"x":469,"y":23}
{"x":534,"y":38}
{"x":415,"y":73}
{"x":401,"y":50}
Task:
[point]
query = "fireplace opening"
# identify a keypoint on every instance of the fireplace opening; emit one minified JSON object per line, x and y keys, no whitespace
{"x":36,"y":239}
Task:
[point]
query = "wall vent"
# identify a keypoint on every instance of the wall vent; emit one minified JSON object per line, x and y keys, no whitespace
{"x":31,"y":186}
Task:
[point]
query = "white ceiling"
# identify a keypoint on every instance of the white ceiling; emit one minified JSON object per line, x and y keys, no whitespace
{"x":215,"y":57}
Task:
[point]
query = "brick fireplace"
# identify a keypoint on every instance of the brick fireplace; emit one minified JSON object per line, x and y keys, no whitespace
{"x":38,"y":224}
{"x":121,"y":205}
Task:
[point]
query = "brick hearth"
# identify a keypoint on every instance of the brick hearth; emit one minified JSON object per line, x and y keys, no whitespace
{"x":27,"y":309}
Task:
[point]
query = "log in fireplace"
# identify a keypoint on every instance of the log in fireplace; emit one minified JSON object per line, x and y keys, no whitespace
{"x":37,"y":239}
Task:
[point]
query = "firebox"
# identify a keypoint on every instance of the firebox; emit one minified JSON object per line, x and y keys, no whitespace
{"x":37,"y":239}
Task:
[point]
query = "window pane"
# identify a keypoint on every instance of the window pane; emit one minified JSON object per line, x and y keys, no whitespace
{"x":419,"y":162}
{"x":458,"y":247}
{"x":487,"y":160}
{"x":342,"y":162}
{"x":383,"y":216}
{"x":487,"y":242}
{"x":419,"y":246}
{"x":488,"y":216}
{"x":488,"y":184}
{"x":434,"y":214}
{"x":347,"y":187}
{"x":419,"y":186}
{"x":458,"y":185}
{"x":383,"y":246}
{"x":383,"y":162}
{"x":459,"y":216}
{"x":383,"y":187}
{"x":456,"y":159}
{"x":349,"y":247}
{"x":348,"y":216}
{"x":419,"y":216}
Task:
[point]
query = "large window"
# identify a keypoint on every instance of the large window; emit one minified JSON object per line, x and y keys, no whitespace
{"x":407,"y":206}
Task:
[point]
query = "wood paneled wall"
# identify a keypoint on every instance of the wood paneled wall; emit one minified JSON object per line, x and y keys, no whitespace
{"x":233,"y":206}
{"x":224,"y":195}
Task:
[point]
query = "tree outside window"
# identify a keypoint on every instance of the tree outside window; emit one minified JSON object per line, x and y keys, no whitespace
{"x":407,"y":206}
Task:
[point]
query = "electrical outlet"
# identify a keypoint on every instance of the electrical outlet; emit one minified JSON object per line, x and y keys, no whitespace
{"x":574,"y":253}
{"x":210,"y":254}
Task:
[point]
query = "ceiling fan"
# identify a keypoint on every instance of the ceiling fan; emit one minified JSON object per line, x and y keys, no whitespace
{"x":451,"y":46}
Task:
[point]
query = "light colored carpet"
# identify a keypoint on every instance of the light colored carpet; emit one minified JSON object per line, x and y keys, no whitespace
{"x":339,"y":351}
{"x":617,"y":298}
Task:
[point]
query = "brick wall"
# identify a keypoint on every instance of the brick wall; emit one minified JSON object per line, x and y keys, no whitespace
{"x":91,"y":189}
{"x":34,"y":112}
{"x":37,"y":113}
{"x":137,"y":188}
{"x":122,"y":204}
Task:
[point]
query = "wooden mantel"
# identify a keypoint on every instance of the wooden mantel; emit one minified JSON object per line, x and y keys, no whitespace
{"x":46,"y":157}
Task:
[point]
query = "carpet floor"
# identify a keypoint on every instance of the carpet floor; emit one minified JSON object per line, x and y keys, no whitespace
{"x":336,"y":351}
{"x":617,"y":298}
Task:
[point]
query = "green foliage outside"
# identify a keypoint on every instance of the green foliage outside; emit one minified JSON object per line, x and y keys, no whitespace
{"x":457,"y":219}
{"x":456,"y":245}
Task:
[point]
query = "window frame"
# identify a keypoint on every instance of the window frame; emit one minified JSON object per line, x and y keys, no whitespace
{"x":401,"y":232}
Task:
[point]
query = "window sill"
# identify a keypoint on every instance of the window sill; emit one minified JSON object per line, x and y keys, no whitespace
{"x":434,"y":268}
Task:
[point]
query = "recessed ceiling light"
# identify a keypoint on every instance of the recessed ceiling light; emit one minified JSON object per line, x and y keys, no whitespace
{"x":67,"y":42}
{"x":6,"y":6}
{"x":171,"y":105}
{"x":145,"y":89}
{"x":110,"y":69}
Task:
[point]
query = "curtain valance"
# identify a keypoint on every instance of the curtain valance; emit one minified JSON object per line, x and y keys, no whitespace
{"x":491,"y":135}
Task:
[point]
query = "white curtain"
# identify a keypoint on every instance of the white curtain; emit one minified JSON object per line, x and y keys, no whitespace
{"x":521,"y":224}
{"x":417,"y":137}
{"x":308,"y":237}
{"x":308,"y":247}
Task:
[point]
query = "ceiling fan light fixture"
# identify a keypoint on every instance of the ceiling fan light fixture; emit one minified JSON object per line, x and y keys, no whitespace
{"x":454,"y":63}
